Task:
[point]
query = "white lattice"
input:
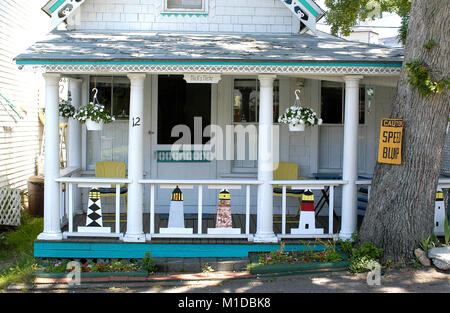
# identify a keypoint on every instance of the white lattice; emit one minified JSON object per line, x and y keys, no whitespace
{"x":10,"y":207}
{"x":217,"y":69}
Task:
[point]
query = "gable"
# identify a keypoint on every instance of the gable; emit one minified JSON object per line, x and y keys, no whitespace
{"x":307,"y":11}
{"x":60,"y":10}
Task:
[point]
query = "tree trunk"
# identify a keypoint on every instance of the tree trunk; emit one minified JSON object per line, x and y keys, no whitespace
{"x":401,"y":208}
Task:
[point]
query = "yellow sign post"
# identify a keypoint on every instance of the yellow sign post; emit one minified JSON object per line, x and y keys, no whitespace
{"x":390,"y":147}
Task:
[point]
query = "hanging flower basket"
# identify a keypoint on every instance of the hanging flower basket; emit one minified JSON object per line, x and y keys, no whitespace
{"x":298,"y":117}
{"x":94,"y":115}
{"x":91,"y":125}
{"x":296,"y":128}
{"x":66,"y":110}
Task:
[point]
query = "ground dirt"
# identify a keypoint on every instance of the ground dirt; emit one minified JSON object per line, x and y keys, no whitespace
{"x":406,"y":280}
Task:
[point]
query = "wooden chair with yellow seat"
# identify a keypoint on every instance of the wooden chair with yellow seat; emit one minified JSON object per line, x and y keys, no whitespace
{"x":112,"y":169}
{"x":287,"y":171}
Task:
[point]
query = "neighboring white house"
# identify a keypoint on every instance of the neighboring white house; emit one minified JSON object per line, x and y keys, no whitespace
{"x":21,"y":23}
{"x":140,"y":55}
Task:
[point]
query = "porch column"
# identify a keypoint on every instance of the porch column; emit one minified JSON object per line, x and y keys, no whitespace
{"x":74,"y":139}
{"x":135,"y":229}
{"x":52,"y":227}
{"x":264,"y":224}
{"x":350,"y":157}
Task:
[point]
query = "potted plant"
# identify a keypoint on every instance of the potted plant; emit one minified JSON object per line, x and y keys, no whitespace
{"x":94,"y":115}
{"x":66,"y":110}
{"x":297,"y":117}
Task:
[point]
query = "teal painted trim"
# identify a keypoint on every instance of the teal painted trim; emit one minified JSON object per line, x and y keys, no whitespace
{"x":165,"y":156}
{"x":56,"y":5}
{"x":131,"y":250}
{"x":309,"y":7}
{"x":29,"y":62}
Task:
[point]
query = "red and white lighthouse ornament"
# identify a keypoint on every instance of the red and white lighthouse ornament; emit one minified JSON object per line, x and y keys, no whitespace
{"x":307,"y":222}
{"x":224,"y":221}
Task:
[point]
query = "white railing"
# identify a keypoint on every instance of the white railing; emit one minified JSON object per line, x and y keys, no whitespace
{"x":326,"y":186}
{"x":64,"y":195}
{"x":90,"y":182}
{"x":212,"y":184}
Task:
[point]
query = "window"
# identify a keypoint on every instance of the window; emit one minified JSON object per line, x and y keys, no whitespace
{"x":113,"y":93}
{"x":246,"y":101}
{"x":246,"y":110}
{"x":178,"y":104}
{"x":185,"y":5}
{"x":333,"y":103}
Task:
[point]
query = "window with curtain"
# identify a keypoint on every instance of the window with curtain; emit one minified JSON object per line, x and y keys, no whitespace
{"x":190,"y":5}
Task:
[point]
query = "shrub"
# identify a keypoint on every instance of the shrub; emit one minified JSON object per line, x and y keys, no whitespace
{"x":360,"y":258}
{"x":148,"y":264}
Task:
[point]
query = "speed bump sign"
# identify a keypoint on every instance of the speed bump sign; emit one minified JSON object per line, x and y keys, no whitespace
{"x":390,"y":147}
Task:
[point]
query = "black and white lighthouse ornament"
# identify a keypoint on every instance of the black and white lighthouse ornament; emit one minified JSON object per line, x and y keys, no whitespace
{"x":176,"y":215}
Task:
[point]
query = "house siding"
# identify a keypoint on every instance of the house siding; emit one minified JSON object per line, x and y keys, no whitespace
{"x":303,"y":148}
{"x":224,"y":16}
{"x":20,"y":25}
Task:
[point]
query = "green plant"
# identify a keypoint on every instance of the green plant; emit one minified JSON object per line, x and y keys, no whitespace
{"x":122,"y":266}
{"x":148,"y":264}
{"x":361,"y":257}
{"x":416,"y":264}
{"x":94,"y":112}
{"x":429,"y":242}
{"x":331,"y":254}
{"x":56,"y":266}
{"x":420,"y":78}
{"x":430,"y":44}
{"x":66,"y":109}
{"x":21,"y":271}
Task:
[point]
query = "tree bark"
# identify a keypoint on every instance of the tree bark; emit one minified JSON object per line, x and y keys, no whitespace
{"x":401,"y":207}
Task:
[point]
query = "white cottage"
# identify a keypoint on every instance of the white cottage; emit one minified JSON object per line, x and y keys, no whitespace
{"x":159,"y":64}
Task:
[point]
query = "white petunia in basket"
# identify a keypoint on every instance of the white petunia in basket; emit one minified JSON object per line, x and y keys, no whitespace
{"x":94,"y":114}
{"x":297,"y":117}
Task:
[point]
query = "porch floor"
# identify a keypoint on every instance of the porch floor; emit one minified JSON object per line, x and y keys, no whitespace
{"x":208,"y":221}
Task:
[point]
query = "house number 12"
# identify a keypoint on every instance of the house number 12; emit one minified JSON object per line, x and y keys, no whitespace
{"x":136,"y":121}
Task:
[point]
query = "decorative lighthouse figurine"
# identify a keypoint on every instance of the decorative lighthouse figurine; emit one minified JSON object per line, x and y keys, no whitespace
{"x":176,"y":215}
{"x":307,"y":223}
{"x":439,"y":213}
{"x":94,"y":216}
{"x":224,"y":222}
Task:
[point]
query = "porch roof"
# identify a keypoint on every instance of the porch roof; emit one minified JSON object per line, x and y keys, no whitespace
{"x":165,"y":52}
{"x":77,"y":46}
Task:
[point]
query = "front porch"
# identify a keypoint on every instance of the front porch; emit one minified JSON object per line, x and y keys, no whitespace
{"x":271,"y":75}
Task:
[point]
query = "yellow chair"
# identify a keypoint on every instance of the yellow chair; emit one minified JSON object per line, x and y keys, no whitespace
{"x":112,"y":169}
{"x":287,"y":171}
